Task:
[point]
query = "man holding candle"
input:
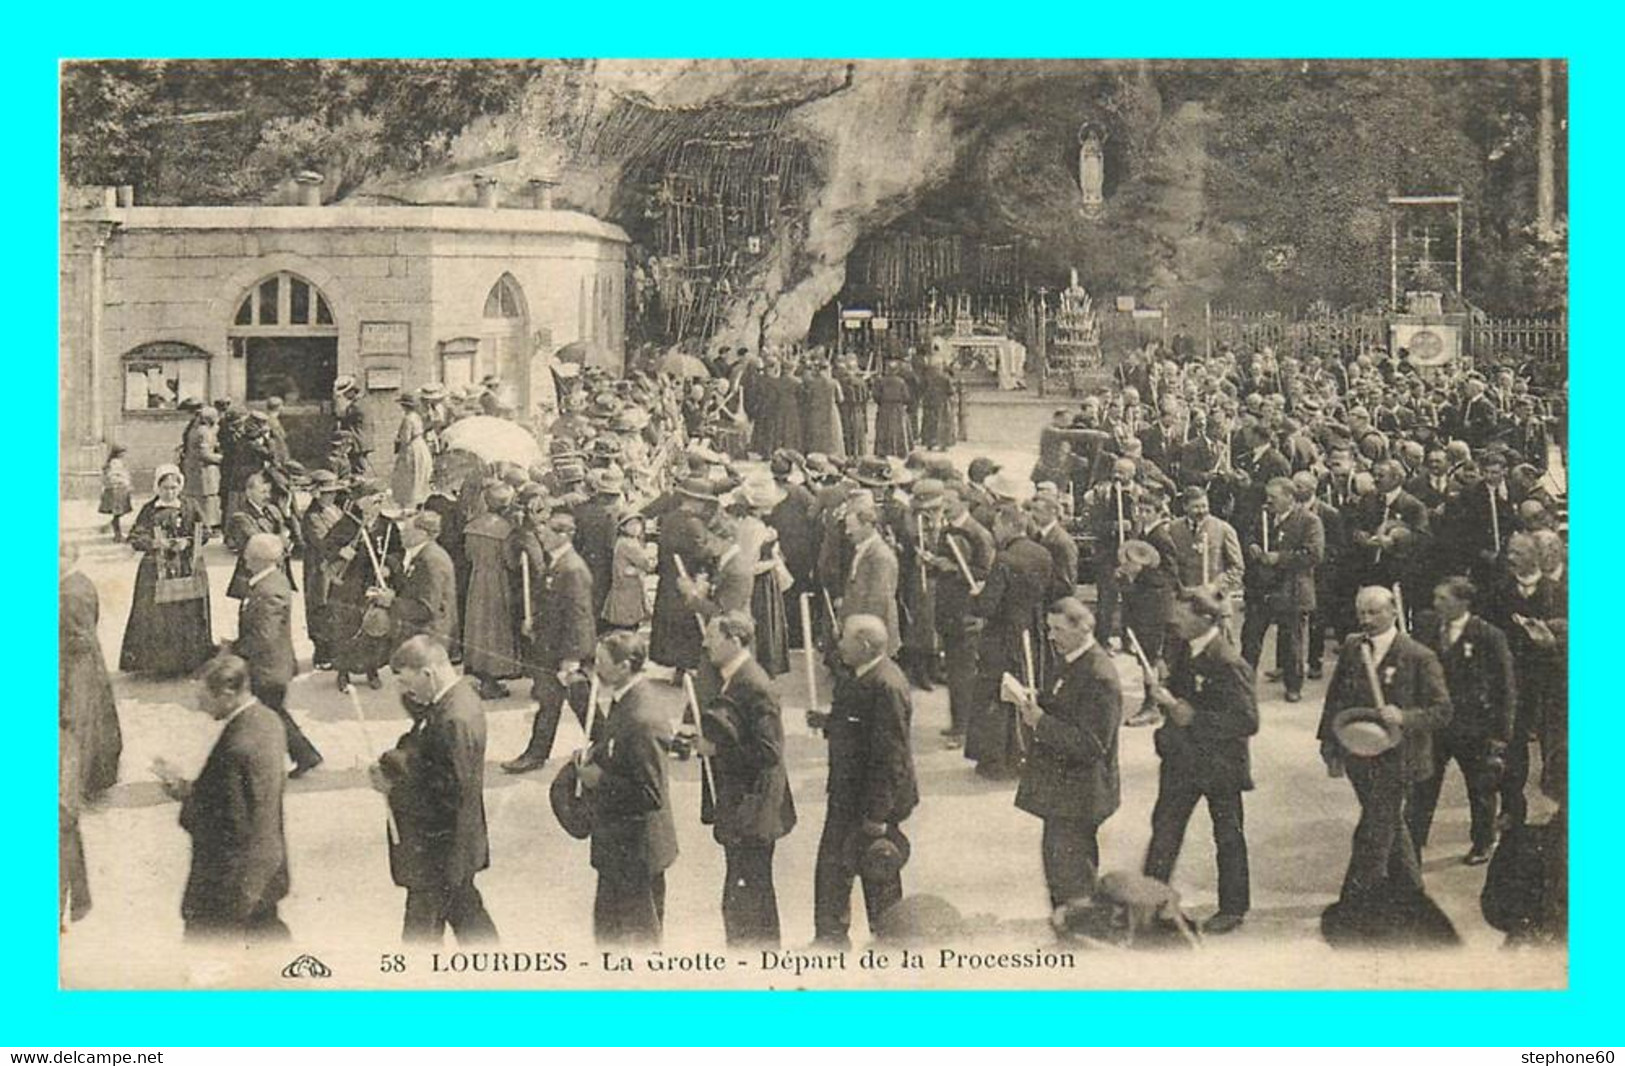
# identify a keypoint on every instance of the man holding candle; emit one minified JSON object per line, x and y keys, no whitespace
{"x":634,"y":840}
{"x":743,"y":735}
{"x":1401,"y":680}
{"x":1071,"y":779}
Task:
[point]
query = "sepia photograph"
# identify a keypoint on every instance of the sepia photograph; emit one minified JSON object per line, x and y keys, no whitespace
{"x":768,"y":524}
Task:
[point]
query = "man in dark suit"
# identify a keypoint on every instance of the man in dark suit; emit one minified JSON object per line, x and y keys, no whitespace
{"x":1523,"y":605}
{"x":1071,"y":780}
{"x":753,"y":806}
{"x":561,"y":632}
{"x":1389,"y":535}
{"x":1483,"y":517}
{"x":1386,"y":670}
{"x":1331,"y":523}
{"x":1483,"y":692}
{"x":424,"y":600}
{"x":957,"y":629}
{"x":1011,"y":605}
{"x":265,"y":640}
{"x":1211,"y":709}
{"x":258,"y":515}
{"x":1111,"y":508}
{"x":871,"y":582}
{"x":233,"y":811}
{"x":872,"y":787}
{"x":1054,"y":538}
{"x":597,"y":519}
{"x":1283,"y":549}
{"x":434,"y":779}
{"x":633,"y":839}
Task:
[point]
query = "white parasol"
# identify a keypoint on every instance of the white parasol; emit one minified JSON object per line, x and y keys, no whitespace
{"x":493,"y":440}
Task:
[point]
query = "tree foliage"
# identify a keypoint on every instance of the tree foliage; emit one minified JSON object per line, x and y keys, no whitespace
{"x":218,"y":131}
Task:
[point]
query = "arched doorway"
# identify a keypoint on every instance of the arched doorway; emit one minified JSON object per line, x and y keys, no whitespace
{"x":285,"y":334}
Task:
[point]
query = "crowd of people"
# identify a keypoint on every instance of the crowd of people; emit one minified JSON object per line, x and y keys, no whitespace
{"x":1418,"y":521}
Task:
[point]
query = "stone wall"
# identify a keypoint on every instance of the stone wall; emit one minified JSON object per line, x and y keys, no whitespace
{"x":183,"y":282}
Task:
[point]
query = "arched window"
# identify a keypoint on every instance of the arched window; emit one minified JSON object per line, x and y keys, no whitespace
{"x":284,"y":303}
{"x":504,"y":300}
{"x":286,"y":340}
{"x":503,"y":349}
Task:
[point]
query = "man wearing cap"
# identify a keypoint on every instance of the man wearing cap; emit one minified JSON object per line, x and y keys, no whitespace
{"x":872,"y":787}
{"x":265,"y":639}
{"x":1070,"y":780}
{"x":871,"y":577}
{"x":743,"y":734}
{"x":561,"y":631}
{"x":1210,"y":709}
{"x":597,"y":519}
{"x":1011,"y":603}
{"x":1285,"y":545}
{"x":1397,"y":683}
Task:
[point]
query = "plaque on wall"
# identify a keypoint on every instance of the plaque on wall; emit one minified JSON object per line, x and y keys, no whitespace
{"x":386,"y":338}
{"x":385,"y":378}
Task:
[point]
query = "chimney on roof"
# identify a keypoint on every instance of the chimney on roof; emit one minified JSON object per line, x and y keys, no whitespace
{"x":310,"y":188}
{"x":541,"y":193}
{"x":485,"y":188}
{"x":126,"y":195}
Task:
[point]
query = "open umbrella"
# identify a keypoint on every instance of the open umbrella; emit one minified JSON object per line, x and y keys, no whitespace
{"x":493,"y":440}
{"x":681,"y":365}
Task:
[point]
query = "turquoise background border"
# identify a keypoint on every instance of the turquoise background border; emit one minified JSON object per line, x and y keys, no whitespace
{"x":33,"y":1012}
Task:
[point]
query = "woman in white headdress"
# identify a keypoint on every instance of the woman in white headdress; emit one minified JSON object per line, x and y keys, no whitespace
{"x":169,"y":632}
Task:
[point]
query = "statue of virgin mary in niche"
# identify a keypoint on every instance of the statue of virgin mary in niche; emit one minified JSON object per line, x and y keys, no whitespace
{"x":1092,"y":168}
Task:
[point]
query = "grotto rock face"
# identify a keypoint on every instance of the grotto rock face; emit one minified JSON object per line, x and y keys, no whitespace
{"x":747,"y":185}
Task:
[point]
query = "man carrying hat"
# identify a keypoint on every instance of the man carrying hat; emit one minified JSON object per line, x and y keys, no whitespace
{"x":1388,"y":679}
{"x":872,"y":787}
{"x":1210,"y":710}
{"x":633,"y":838}
{"x":1011,"y":604}
{"x":743,"y":733}
{"x":434,"y":781}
